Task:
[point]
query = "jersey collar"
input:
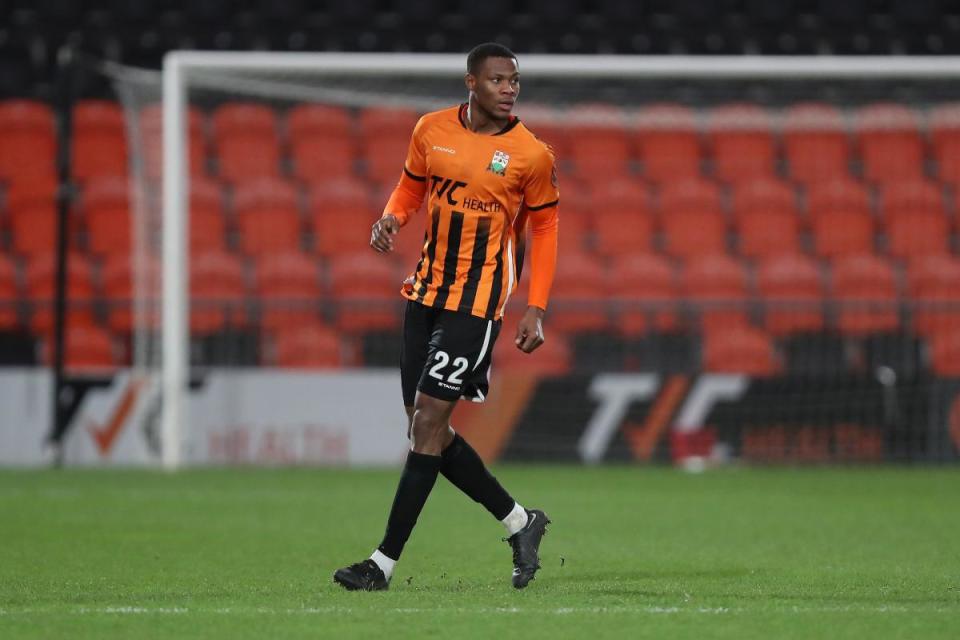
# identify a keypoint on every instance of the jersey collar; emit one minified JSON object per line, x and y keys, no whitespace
{"x":462,"y":117}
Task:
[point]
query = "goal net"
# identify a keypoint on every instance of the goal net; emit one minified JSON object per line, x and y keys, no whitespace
{"x":758,"y":258}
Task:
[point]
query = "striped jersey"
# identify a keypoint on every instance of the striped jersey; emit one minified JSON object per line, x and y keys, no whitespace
{"x":476,"y":185}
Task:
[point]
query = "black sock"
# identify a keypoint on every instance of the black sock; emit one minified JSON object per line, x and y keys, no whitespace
{"x":416,"y":482}
{"x":463,"y":467}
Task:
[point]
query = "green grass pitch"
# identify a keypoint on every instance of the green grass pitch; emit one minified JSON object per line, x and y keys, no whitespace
{"x":632,"y":553}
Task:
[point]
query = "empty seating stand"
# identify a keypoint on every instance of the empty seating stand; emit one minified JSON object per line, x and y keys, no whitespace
{"x":740,"y":230}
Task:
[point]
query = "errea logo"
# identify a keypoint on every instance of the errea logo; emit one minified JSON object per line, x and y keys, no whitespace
{"x":444,"y":149}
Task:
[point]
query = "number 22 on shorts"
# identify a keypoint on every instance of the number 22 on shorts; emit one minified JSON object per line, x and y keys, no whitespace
{"x":442,"y":360}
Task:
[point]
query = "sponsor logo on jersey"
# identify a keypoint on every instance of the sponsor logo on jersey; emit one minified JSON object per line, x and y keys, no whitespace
{"x":437,"y":147}
{"x":498,"y":164}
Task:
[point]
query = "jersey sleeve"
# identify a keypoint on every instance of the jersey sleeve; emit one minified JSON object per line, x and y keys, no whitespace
{"x":408,"y":194}
{"x":541,"y":197}
{"x":541,"y":190}
{"x":544,"y":230}
{"x":416,"y":163}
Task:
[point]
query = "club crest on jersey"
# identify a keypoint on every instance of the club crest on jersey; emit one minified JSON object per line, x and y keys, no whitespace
{"x":499,"y":163}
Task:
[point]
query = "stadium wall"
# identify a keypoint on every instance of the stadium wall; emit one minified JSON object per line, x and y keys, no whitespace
{"x":270,"y":417}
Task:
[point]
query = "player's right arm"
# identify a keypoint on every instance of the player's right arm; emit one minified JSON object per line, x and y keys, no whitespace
{"x":406,"y":197}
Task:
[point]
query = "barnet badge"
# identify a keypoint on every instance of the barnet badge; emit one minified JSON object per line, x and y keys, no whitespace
{"x":499,"y":163}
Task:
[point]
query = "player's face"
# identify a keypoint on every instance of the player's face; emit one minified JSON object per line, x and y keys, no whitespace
{"x":496,"y":86}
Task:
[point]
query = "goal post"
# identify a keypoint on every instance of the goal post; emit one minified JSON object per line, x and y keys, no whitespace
{"x":303,"y":73}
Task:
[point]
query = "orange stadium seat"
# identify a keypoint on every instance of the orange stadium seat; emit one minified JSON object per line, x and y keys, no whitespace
{"x":40,"y":281}
{"x":117,"y":279}
{"x":99,"y":140}
{"x":645,"y":293}
{"x":151,"y":128}
{"x":341,"y":215}
{"x":87,"y":349}
{"x":28,"y":143}
{"x":840,"y":218}
{"x":689,"y":195}
{"x":945,"y":353}
{"x":575,"y":231}
{"x":597,"y":119}
{"x":317,"y":158}
{"x":624,"y":194}
{"x":579,"y":294}
{"x":217,"y":293}
{"x":347,"y":195}
{"x":743,"y":349}
{"x":106,"y":210}
{"x":742,"y":142}
{"x":268,"y":216}
{"x":366,"y":289}
{"x":207,"y":220}
{"x":716,"y":286}
{"x":599,"y":148}
{"x":691,"y":219}
{"x":553,"y":358}
{"x":43,"y":190}
{"x":9,"y":294}
{"x":791,"y":288}
{"x":911,"y":196}
{"x":816,"y":142}
{"x":914,"y":219}
{"x":622,"y":216}
{"x":933,"y":285}
{"x":32,"y":211}
{"x":314,"y":346}
{"x":945,"y":135}
{"x":890,"y":143}
{"x":322,"y":142}
{"x":578,"y":196}
{"x":387,"y":122}
{"x":245,"y":141}
{"x":319,"y":120}
{"x":668,"y":142}
{"x":597,"y":159}
{"x":865,"y":292}
{"x":622,"y":231}
{"x":765,"y":217}
{"x":288,"y":290}
{"x":828,"y":197}
{"x":549,"y":124}
{"x":384,"y":157}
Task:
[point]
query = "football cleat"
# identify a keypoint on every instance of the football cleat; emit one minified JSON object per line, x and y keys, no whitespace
{"x":526,"y":545}
{"x":362,"y":576}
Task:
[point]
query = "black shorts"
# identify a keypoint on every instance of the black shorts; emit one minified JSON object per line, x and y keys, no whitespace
{"x":445,"y":354}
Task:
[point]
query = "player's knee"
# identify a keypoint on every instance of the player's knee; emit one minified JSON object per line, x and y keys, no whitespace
{"x":428,"y":422}
{"x":430,"y":426}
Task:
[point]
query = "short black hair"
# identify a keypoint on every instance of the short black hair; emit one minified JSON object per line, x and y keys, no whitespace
{"x":486,"y":50}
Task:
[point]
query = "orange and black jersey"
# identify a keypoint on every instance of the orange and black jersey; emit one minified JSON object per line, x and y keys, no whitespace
{"x":480,"y":190}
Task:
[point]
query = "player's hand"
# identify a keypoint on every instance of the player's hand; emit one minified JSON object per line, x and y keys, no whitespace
{"x":381,"y":236}
{"x":530,"y":330}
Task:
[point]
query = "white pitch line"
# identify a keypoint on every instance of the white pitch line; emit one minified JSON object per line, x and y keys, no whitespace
{"x":651,"y":610}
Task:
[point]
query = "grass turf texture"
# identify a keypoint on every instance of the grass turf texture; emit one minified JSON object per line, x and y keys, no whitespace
{"x":740,"y":553}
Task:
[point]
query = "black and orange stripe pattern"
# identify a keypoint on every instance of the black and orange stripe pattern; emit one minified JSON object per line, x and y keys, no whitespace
{"x":479,"y":189}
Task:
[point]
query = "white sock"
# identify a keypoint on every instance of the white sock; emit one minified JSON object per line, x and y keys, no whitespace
{"x":385,"y":563}
{"x":516,"y":519}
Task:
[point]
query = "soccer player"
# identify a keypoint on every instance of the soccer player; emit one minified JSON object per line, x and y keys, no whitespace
{"x":484,"y":174}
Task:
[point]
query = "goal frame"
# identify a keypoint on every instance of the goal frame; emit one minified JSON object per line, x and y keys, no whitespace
{"x":179,"y":65}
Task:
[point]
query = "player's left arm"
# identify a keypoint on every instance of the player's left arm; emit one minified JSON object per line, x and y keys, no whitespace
{"x":541,"y":201}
